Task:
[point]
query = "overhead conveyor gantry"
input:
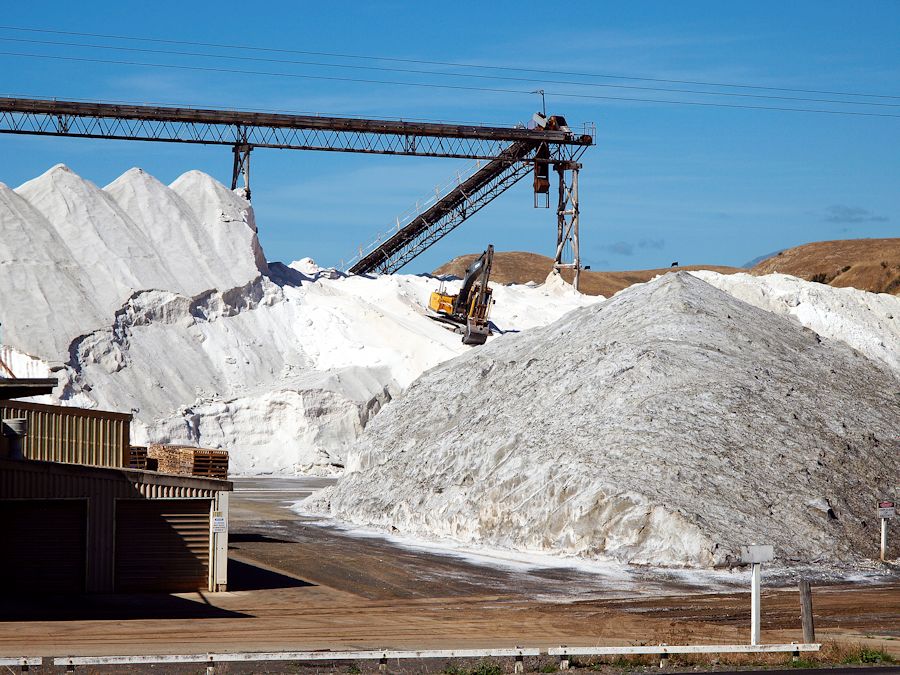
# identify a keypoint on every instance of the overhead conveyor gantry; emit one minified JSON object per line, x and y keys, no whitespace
{"x":510,"y":153}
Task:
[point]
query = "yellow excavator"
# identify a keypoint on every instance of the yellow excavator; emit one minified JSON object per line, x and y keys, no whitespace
{"x":468,"y":310}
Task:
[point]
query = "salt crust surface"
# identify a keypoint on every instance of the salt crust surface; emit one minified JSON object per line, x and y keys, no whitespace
{"x":666,"y":426}
{"x":158,"y":300}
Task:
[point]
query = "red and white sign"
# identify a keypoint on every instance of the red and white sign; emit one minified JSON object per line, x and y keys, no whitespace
{"x":887,"y":508}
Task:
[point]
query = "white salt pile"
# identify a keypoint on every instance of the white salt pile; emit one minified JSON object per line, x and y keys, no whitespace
{"x":158,"y":300}
{"x":868,"y":322}
{"x":73,"y":254}
{"x":668,"y":426}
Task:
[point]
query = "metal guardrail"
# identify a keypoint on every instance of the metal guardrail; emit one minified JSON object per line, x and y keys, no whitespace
{"x":382,"y":656}
{"x":211,"y":659}
{"x":21,"y":661}
{"x":684,"y":649}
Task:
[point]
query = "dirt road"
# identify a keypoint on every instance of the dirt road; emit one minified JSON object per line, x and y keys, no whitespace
{"x":296,"y":585}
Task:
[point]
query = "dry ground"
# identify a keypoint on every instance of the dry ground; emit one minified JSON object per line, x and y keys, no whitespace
{"x":296,"y":585}
{"x":515,"y":267}
{"x":868,"y":264}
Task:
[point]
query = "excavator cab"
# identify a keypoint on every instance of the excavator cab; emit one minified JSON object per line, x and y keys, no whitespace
{"x":468,"y":310}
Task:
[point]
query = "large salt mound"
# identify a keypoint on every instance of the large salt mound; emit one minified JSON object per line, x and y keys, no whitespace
{"x":283,"y":377}
{"x":158,"y":300}
{"x":669,"y":426}
{"x":73,"y":254}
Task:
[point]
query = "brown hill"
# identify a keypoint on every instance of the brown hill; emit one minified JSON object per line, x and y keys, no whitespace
{"x":869,"y":264}
{"x":516,"y":267}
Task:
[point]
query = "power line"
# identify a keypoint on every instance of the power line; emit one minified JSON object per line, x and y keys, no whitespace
{"x":447,"y":63}
{"x":447,"y":74}
{"x":445,"y":86}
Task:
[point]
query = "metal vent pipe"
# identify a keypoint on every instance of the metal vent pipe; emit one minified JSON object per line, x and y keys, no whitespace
{"x":14,"y":430}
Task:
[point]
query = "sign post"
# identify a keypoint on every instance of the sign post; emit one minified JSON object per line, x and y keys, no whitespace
{"x":887,"y":509}
{"x":755,"y":556}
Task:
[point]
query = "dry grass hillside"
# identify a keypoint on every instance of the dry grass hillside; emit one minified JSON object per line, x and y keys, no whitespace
{"x":869,"y":264}
{"x":515,"y":267}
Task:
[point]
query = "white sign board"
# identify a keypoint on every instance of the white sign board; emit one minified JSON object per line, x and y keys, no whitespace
{"x":219,"y":523}
{"x":757,"y":554}
{"x":887,"y":508}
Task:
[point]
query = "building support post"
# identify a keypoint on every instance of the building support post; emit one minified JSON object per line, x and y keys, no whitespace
{"x":754,"y":602}
{"x":241,"y":167}
{"x":218,"y":543}
{"x":567,"y":221}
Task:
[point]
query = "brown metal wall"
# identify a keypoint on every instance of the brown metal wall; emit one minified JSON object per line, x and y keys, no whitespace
{"x":44,"y":545}
{"x":102,"y":487}
{"x":72,"y":435}
{"x":162,"y":545}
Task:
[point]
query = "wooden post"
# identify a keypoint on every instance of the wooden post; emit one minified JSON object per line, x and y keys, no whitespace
{"x":806,"y":612}
{"x":883,"y":539}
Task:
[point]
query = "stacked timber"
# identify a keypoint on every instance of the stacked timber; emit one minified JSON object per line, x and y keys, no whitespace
{"x":188,"y":461}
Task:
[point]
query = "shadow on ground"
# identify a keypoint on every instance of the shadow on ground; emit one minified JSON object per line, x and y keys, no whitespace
{"x":245,"y":576}
{"x":242,"y":576}
{"x":120,"y":607}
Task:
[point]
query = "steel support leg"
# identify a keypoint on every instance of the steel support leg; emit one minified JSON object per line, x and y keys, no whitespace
{"x":567,"y":217}
{"x":241,"y":167}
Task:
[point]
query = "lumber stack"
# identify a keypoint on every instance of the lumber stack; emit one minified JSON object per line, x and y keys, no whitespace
{"x":188,"y":461}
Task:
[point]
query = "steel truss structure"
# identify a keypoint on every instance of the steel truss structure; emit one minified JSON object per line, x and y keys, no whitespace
{"x":448,"y":212}
{"x":511,"y":151}
{"x":567,"y":217}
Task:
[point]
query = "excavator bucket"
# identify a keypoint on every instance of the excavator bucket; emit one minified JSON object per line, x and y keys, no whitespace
{"x":475,"y":334}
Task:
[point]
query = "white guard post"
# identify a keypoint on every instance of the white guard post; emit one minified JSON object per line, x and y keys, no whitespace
{"x":755,"y":556}
{"x":887,"y":509}
{"x":218,"y":543}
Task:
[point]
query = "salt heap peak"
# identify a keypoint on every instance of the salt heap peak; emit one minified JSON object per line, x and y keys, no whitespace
{"x":231,"y":226}
{"x":307,"y":267}
{"x":37,"y":268}
{"x":74,"y":255}
{"x":667,"y":426}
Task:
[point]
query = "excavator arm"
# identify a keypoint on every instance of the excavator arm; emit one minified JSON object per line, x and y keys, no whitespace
{"x":478,"y":271}
{"x":471,"y":306}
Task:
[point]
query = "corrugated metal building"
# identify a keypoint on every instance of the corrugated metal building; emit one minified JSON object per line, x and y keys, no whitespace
{"x":74,"y":518}
{"x":75,"y":528}
{"x":75,"y":435}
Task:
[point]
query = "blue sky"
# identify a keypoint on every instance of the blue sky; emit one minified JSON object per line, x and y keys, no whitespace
{"x":664,"y":182}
